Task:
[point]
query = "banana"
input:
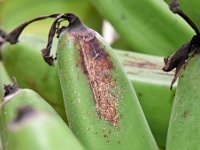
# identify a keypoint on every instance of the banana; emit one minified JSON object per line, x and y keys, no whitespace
{"x":184,"y":127}
{"x":35,"y":130}
{"x":143,"y":71}
{"x":4,"y":79}
{"x":152,"y":88}
{"x":148,"y":25}
{"x":102,"y":107}
{"x":36,"y":125}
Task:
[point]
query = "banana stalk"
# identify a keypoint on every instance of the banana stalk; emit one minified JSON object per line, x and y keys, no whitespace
{"x":185,"y":118}
{"x":148,"y":25}
{"x":36,"y":121}
{"x":102,"y":107}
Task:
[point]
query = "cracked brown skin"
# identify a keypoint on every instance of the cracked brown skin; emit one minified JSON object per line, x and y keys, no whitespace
{"x":98,"y":67}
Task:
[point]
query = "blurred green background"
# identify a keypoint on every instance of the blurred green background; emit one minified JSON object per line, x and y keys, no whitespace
{"x":145,"y":26}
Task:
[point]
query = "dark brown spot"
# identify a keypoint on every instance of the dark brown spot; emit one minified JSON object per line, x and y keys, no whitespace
{"x":185,"y":114}
{"x":139,"y":94}
{"x":24,"y":112}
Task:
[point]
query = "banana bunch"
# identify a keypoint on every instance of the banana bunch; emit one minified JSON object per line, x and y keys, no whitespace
{"x":96,"y":114}
{"x":109,"y":99}
{"x":35,"y":122}
{"x":143,"y":71}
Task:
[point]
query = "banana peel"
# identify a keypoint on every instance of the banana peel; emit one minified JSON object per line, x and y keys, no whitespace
{"x":184,"y":121}
{"x":152,"y":86}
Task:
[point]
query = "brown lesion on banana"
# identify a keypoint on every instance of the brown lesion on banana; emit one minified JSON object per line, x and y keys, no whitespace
{"x":98,"y":67}
{"x":178,"y":59}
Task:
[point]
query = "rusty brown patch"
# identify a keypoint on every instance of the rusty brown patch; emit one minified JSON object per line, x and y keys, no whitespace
{"x":97,"y":66}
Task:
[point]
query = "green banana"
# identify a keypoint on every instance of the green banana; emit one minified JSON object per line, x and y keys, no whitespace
{"x":31,"y":129}
{"x":4,"y":79}
{"x":37,"y":130}
{"x":102,"y":107}
{"x":34,"y":74}
{"x":184,"y":126}
{"x":149,"y":82}
{"x":152,"y":88}
{"x":148,"y":25}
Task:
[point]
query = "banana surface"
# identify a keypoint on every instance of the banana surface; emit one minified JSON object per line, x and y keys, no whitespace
{"x":184,"y":129}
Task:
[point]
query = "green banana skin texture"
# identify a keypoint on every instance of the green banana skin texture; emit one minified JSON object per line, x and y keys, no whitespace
{"x":130,"y":131}
{"x":4,"y":79}
{"x":148,"y":25}
{"x":24,"y":61}
{"x":184,"y":126}
{"x":46,"y":130}
{"x":141,"y":77}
